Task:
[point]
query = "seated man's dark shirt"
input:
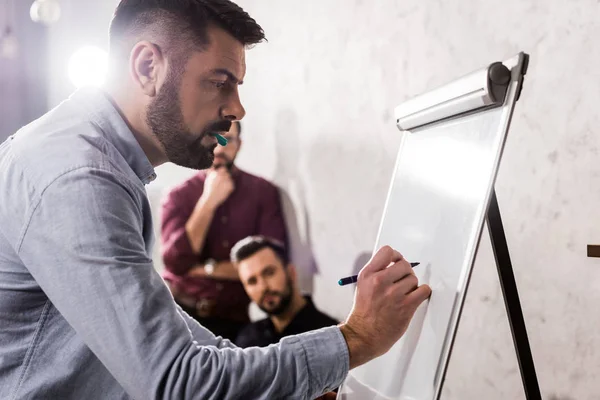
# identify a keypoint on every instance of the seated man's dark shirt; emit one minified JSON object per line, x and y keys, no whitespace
{"x":262,"y":333}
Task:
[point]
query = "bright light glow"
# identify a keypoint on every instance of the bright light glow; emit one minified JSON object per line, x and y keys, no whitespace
{"x":45,"y":11}
{"x":88,"y":66}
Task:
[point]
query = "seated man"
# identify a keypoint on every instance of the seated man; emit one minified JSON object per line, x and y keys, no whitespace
{"x":271,"y":282}
{"x":201,"y":220}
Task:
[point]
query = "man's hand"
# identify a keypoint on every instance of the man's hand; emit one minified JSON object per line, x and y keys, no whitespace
{"x":387,"y":296}
{"x":217,"y":187}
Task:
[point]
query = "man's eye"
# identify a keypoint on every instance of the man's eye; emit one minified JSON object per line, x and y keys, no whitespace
{"x":219,"y":85}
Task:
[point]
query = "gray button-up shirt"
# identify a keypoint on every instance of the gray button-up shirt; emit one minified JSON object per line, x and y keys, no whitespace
{"x":83,"y":313}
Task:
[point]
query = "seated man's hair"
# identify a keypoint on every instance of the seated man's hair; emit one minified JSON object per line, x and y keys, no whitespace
{"x":178,"y":25}
{"x":251,"y":245}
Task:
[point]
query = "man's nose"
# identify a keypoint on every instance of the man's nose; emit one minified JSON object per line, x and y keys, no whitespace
{"x":234,"y":110}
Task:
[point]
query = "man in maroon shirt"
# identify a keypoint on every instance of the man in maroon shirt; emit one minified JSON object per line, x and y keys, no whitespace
{"x":201,"y":221}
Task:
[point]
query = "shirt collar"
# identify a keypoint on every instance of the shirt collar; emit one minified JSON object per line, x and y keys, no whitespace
{"x":104,"y":114}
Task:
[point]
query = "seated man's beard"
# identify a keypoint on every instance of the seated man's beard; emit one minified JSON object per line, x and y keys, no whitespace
{"x":286,"y":300}
{"x":222,"y":161}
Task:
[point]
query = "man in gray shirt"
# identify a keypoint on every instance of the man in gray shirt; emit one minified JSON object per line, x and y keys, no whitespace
{"x":83,"y":313}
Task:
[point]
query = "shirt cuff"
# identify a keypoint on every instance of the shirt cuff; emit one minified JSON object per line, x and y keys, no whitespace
{"x":327,"y":357}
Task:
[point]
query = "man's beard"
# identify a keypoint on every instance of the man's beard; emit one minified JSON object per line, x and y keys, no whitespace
{"x":284,"y":302}
{"x":222,"y":161}
{"x":165,"y":118}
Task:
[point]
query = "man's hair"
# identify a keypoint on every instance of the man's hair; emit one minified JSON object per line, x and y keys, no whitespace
{"x":181,"y":24}
{"x":251,"y":245}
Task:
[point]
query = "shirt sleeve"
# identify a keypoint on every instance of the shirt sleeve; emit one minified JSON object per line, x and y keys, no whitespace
{"x":271,"y":221}
{"x":199,"y":332}
{"x":84,"y":246}
{"x":177,"y":252}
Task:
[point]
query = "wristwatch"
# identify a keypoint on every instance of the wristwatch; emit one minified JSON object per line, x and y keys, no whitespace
{"x":209,"y":266}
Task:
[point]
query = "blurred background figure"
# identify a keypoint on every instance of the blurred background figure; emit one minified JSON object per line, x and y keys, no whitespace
{"x":201,"y":220}
{"x":271,"y":281}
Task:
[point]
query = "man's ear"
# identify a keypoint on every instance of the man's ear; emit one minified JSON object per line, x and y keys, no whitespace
{"x":293,"y":274}
{"x":146,"y":65}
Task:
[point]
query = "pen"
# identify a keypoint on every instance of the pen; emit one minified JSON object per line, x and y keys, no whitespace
{"x":352,"y":279}
{"x":221,"y":139}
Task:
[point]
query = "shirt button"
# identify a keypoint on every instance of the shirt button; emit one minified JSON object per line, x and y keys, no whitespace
{"x":225,"y":243}
{"x":224,"y":219}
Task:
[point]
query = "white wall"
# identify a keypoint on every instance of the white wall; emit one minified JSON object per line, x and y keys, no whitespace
{"x":320,"y":96}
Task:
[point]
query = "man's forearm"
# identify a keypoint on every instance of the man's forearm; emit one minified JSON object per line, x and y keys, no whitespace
{"x":223,"y":270}
{"x":358,"y":352}
{"x":198,"y":224}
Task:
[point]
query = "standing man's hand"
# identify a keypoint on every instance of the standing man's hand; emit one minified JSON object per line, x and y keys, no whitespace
{"x":387,"y":296}
{"x":217,"y":187}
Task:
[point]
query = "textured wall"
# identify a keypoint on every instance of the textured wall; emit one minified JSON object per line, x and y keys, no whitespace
{"x":320,"y":97}
{"x":321,"y":92}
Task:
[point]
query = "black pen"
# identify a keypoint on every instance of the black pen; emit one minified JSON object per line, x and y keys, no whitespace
{"x":354,"y":278}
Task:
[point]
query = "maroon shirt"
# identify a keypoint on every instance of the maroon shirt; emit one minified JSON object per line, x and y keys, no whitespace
{"x":253,"y":208}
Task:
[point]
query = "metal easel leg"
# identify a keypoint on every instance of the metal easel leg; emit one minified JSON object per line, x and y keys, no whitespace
{"x":511,"y":300}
